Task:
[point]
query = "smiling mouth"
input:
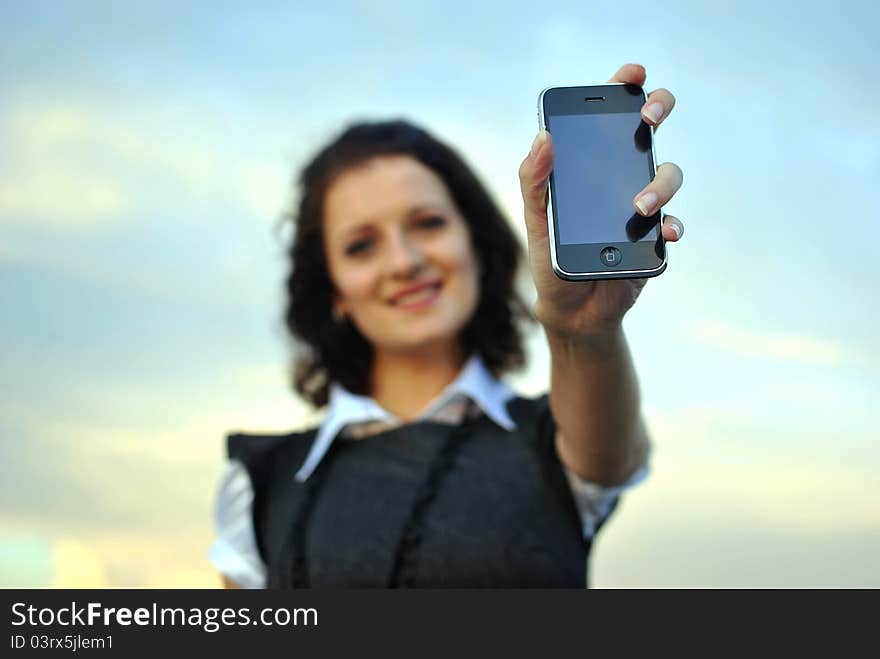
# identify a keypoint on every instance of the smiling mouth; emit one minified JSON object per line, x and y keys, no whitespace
{"x":416,"y":299}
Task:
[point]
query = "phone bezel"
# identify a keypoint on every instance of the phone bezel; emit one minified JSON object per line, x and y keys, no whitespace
{"x":561,"y":272}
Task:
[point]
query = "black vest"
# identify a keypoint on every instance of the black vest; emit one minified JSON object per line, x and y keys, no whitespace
{"x":421,"y":505}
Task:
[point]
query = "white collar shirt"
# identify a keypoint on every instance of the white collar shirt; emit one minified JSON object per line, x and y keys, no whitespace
{"x":354,"y":416}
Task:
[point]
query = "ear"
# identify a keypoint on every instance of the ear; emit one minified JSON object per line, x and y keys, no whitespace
{"x":339,"y":310}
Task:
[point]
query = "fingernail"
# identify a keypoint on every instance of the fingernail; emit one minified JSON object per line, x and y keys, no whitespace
{"x":646,"y":203}
{"x":539,"y":142}
{"x":654,"y":112}
{"x":676,"y":228}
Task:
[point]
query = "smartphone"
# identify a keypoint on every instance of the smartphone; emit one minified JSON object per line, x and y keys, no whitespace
{"x":604,"y":157}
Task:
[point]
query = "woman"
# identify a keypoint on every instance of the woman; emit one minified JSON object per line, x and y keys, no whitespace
{"x":427,"y":470}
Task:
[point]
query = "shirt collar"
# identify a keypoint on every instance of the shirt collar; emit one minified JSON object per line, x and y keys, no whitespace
{"x":344,"y":408}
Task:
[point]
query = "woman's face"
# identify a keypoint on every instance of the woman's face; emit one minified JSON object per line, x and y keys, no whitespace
{"x":400,"y":255}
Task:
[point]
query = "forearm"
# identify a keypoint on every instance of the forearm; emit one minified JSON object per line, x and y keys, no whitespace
{"x":594,"y":396}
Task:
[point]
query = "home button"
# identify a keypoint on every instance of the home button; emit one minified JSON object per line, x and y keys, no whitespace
{"x":610,"y":256}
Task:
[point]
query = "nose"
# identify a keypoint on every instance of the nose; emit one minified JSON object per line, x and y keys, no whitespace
{"x":405,"y":258}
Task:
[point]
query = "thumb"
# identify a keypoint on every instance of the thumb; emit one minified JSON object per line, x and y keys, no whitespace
{"x":534,"y":174}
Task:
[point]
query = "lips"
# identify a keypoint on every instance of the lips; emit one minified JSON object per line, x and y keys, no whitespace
{"x":416,"y":295}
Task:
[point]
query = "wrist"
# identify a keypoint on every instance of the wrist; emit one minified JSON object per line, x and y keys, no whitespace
{"x":595,"y":340}
{"x":577,"y":326}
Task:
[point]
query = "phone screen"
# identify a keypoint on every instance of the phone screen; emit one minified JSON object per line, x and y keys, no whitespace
{"x":600,"y":167}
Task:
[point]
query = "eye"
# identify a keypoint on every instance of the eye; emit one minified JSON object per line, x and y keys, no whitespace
{"x":432,"y":222}
{"x":359,"y":247}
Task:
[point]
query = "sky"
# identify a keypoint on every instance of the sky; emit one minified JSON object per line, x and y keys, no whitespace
{"x":147,"y":153}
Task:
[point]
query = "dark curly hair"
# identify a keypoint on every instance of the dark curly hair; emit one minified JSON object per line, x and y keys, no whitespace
{"x":336,"y":351}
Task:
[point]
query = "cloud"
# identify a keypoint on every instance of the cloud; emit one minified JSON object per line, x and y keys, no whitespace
{"x":731,"y":501}
{"x":77,"y":565}
{"x":729,"y":458}
{"x":73,"y":166}
{"x":114,"y":500}
{"x":67,"y":199}
{"x":25,"y":559}
{"x":776,"y":346}
{"x":264,"y":189}
{"x":49,"y":179}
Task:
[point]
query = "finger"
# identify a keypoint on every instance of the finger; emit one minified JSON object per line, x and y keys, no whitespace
{"x":673,"y":229}
{"x":658,"y":106}
{"x":659,"y":191}
{"x":534,"y":173}
{"x":633,"y":74}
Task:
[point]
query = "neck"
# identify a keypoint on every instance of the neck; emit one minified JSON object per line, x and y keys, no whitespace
{"x":405,"y":382}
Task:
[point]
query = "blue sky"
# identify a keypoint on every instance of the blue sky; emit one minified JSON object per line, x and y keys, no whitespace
{"x":146,"y":153}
